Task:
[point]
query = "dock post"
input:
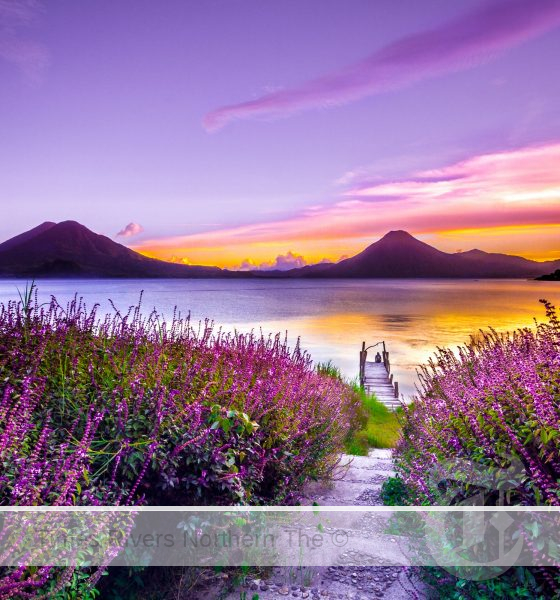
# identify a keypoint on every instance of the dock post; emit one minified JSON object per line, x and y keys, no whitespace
{"x":363,"y":355}
{"x":396,"y":384}
{"x":386,"y":361}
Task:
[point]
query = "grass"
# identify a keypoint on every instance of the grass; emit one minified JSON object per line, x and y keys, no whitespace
{"x":380,"y":429}
{"x":330,"y":369}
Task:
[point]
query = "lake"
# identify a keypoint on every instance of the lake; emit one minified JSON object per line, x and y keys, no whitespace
{"x":332,"y":317}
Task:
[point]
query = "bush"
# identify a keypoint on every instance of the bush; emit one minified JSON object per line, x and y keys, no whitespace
{"x":494,"y":403}
{"x":498,"y":398}
{"x":128,"y":409}
{"x":394,"y":492}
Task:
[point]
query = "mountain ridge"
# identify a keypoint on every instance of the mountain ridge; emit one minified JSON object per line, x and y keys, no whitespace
{"x":399,"y":255}
{"x":69,"y":249}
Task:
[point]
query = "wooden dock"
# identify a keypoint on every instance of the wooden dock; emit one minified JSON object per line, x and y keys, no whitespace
{"x":376,"y":377}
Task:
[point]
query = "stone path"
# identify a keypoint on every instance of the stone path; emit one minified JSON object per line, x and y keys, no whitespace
{"x":356,"y":484}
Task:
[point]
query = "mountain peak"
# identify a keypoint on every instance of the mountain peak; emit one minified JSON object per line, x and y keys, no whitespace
{"x":398,"y":235}
{"x":71,"y":225}
{"x":474,"y":252}
{"x":70,"y":249}
{"x":26,"y":236}
{"x":398,"y":238}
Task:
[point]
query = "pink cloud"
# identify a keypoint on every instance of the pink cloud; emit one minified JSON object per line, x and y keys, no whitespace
{"x":462,"y":43}
{"x":517,"y":187}
{"x":130,"y":230}
{"x":29,"y":56}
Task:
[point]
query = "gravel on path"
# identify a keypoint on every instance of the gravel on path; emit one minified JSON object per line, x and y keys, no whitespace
{"x":358,"y":483}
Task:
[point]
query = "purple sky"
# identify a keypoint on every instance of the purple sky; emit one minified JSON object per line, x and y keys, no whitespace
{"x":103,"y":104}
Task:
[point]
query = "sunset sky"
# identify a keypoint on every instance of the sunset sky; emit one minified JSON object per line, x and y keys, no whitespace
{"x":262,"y":132}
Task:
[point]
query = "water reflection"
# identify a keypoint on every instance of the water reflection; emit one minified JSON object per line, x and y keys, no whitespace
{"x":332,"y":318}
{"x":395,"y":322}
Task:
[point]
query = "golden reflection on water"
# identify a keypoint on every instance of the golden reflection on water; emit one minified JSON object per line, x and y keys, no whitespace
{"x":332,"y":317}
{"x":442,"y":314}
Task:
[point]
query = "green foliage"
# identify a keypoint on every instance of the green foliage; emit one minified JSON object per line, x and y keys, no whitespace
{"x":329,"y":369}
{"x":518,"y":582}
{"x":78,"y":588}
{"x":394,"y":492}
{"x":379,"y":427}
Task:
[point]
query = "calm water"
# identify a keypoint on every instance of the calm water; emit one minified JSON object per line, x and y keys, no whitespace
{"x":332,"y":317}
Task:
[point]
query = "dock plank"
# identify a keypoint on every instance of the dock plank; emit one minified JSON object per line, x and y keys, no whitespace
{"x":378,"y":381}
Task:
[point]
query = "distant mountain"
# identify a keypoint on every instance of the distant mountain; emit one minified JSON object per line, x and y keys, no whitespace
{"x":399,"y":255}
{"x":69,"y":249}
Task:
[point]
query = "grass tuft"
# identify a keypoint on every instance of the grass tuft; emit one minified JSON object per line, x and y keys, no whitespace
{"x":380,"y":427}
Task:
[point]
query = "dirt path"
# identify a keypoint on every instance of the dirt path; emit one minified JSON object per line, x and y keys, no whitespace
{"x":358,"y":484}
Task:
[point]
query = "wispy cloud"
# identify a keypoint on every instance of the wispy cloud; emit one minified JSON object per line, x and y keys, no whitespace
{"x":29,"y":56}
{"x":459,"y":44}
{"x":130,"y":230}
{"x":504,"y":189}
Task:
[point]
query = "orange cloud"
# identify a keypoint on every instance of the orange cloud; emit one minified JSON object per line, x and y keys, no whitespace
{"x":283,"y":262}
{"x":517,"y":189}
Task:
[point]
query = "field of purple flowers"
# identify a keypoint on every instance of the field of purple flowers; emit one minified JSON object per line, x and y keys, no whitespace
{"x":496,"y":398}
{"x":492,"y":407}
{"x":131,"y":409}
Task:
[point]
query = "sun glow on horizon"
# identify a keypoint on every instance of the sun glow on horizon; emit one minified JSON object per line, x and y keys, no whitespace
{"x":506,"y":202}
{"x":513,"y":240}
